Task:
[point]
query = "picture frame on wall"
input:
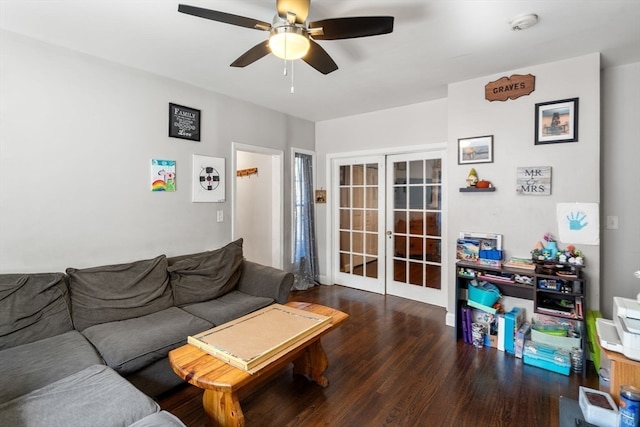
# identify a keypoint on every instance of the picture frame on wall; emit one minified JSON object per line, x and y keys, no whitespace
{"x":556,"y":121}
{"x":208,"y":179}
{"x":184,"y":122}
{"x":478,"y":149}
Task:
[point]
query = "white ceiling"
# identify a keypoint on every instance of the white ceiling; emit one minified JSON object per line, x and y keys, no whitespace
{"x":434,"y":43}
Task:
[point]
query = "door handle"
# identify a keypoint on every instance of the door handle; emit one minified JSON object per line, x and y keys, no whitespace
{"x":390,"y":234}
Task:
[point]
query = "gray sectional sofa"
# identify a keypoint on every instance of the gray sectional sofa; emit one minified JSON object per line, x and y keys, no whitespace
{"x":90,"y":347}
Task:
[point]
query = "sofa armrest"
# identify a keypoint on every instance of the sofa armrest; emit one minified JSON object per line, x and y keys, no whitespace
{"x":263,"y":281}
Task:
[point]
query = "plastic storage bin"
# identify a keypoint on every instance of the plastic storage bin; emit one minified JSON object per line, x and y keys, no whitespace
{"x":547,"y":357}
{"x":483,"y":293}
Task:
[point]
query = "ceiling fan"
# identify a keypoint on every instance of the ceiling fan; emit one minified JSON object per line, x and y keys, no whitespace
{"x":290,"y":36}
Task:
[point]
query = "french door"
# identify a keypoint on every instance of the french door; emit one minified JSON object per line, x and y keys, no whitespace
{"x":388,"y":216}
{"x":414,"y":244}
{"x":359,"y":216}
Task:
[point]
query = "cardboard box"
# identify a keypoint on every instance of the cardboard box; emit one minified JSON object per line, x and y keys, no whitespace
{"x":513,"y":320}
{"x":598,"y":407}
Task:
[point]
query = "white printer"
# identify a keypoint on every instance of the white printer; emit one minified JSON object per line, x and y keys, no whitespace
{"x":622,"y":335}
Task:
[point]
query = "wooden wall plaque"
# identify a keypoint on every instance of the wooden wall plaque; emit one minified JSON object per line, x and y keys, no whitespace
{"x":510,"y":87}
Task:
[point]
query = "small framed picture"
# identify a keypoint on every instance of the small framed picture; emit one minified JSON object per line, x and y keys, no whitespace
{"x":184,"y":122}
{"x":478,"y":149}
{"x":321,"y":196}
{"x":557,"y":121}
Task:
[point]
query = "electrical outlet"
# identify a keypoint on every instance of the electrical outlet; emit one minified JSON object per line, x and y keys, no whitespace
{"x":612,"y":222}
{"x":220,"y":216}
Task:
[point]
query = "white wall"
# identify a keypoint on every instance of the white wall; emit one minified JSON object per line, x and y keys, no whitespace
{"x":76,"y":138}
{"x":523,"y":220}
{"x":381,"y":131}
{"x":621,"y":183}
{"x":254,"y":211}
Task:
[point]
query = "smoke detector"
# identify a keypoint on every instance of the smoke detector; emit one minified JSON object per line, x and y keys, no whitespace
{"x":522,"y":22}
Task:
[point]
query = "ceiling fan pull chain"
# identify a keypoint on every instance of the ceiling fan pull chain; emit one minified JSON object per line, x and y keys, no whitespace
{"x":292,"y":89}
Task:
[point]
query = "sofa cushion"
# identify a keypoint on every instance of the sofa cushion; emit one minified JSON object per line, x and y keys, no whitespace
{"x":95,"y":396}
{"x":30,"y":366}
{"x":118,"y":292}
{"x":159,"y":419}
{"x":156,"y":378}
{"x":228,"y":307}
{"x":207,"y":275}
{"x":32,"y":307}
{"x":129,"y":345}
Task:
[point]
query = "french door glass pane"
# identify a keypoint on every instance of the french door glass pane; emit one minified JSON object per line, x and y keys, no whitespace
{"x":359,"y":219}
{"x":417,"y":222}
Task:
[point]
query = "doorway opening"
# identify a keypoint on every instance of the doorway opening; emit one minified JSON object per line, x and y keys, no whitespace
{"x":257,"y":203}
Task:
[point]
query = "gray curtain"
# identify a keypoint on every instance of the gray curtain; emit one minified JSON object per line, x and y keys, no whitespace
{"x":305,"y":259}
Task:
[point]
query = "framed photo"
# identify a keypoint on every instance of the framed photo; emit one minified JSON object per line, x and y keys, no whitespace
{"x":557,"y":121}
{"x":184,"y":122}
{"x":478,"y":149}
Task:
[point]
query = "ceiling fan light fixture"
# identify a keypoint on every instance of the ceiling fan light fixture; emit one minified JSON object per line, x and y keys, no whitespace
{"x":289,"y":42}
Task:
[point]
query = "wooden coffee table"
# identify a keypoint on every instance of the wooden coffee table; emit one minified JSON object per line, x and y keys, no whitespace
{"x":222,"y":382}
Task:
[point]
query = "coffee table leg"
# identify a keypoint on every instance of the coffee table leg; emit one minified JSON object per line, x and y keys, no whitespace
{"x":222,"y":408}
{"x":312,"y":363}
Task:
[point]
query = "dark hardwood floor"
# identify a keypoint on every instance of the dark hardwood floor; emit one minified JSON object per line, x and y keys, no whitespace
{"x":395,"y":363}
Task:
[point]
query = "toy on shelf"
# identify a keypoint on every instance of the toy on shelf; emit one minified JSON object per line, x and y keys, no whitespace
{"x":474,"y":182}
{"x":550,"y":252}
{"x":472,"y":178}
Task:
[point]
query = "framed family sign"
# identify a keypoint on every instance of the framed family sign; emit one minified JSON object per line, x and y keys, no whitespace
{"x":184,"y":122}
{"x":557,"y":121}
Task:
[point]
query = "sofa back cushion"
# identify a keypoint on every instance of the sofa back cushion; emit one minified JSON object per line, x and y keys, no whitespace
{"x":32,"y":307}
{"x":118,"y":292}
{"x":207,"y":275}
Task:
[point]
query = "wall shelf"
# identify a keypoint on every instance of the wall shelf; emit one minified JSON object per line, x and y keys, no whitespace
{"x":476,"y":190}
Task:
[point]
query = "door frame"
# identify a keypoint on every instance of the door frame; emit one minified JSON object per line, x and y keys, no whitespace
{"x":277,"y":224}
{"x":332,"y":245}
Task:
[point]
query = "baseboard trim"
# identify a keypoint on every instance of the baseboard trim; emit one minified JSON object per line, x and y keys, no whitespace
{"x":450,"y":319}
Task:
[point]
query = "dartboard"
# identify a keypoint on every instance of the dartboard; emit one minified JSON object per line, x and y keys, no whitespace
{"x":209,"y":178}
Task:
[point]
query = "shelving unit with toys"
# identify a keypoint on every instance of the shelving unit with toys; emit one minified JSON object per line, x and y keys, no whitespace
{"x":558,"y":291}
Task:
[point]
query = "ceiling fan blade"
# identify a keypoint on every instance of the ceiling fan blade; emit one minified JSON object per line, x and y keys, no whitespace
{"x":351,"y":27}
{"x":319,"y":59}
{"x":299,"y":7}
{"x":253,"y":54}
{"x":226,"y":18}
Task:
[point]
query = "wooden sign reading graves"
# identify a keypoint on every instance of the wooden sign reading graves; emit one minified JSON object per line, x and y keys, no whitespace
{"x":510,"y":87}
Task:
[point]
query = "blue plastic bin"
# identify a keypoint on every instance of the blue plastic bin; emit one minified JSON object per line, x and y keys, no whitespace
{"x":483,"y":293}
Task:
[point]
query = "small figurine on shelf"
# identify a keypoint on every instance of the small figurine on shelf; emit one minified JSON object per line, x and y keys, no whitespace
{"x":472,"y":179}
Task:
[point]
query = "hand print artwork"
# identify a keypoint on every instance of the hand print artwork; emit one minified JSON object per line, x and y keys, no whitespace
{"x":578,"y":223}
{"x":576,"y":220}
